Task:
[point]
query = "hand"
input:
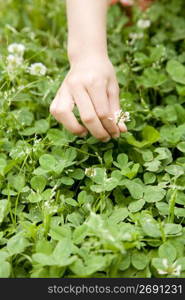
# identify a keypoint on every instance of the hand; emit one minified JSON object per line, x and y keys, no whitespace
{"x":91,"y":84}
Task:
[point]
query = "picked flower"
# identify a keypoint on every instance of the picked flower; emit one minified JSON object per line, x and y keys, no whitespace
{"x":122,"y":116}
{"x":16,"y":49}
{"x":37,"y":69}
{"x":142,"y":23}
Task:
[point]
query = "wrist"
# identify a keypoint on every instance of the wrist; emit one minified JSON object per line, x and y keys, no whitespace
{"x":75,"y":55}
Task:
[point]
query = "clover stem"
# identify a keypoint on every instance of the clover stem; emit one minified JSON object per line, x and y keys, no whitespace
{"x":162,"y":232}
{"x":172,"y":206}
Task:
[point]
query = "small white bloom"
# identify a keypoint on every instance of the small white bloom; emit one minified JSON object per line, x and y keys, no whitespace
{"x":148,"y":220}
{"x":37,"y":69}
{"x":14,"y":61}
{"x":47,"y":205}
{"x":143,"y":23}
{"x":170,"y":269}
{"x":37,"y":141}
{"x":21,"y":87}
{"x":108,"y":179}
{"x":127,"y":236}
{"x":90,"y":172}
{"x":177,"y":270}
{"x":126,"y":116}
{"x":16,"y":49}
{"x":165,"y":262}
{"x":162,"y":272}
{"x":32,"y":35}
{"x":136,"y":36}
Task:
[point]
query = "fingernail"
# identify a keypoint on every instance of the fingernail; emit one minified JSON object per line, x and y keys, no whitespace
{"x":116,"y":136}
{"x":126,"y":129}
{"x":83,"y":134}
{"x":106,"y":140}
{"x":122,"y":126}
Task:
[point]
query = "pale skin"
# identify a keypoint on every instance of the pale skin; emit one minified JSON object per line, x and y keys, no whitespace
{"x":91,"y":82}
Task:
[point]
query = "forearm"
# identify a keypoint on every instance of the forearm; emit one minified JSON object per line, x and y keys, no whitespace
{"x":86,"y":28}
{"x":91,"y":82}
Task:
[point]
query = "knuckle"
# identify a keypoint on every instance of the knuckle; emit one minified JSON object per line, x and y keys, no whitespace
{"x":61,"y":111}
{"x":73,"y":82}
{"x":114,"y":132}
{"x":99,"y":84}
{"x":103,"y":115}
{"x":91,"y":79}
{"x":76,"y":131}
{"x":95,"y":81}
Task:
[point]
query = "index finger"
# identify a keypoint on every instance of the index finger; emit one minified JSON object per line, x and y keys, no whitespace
{"x":62,"y":110}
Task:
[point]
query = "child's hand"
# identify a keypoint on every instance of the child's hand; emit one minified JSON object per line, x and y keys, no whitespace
{"x":91,"y":84}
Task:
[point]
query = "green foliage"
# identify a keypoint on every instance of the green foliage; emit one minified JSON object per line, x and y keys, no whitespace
{"x":176,"y":70}
{"x":76,"y":207}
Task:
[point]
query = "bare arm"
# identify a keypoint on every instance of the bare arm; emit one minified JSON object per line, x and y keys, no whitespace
{"x":86,"y":27}
{"x":91,"y":82}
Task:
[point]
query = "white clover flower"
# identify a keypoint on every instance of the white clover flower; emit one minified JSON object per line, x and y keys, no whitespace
{"x":127,"y":236}
{"x":108,"y":179}
{"x":91,"y":172}
{"x":136,"y":35}
{"x":143,"y":23}
{"x":121,"y":116}
{"x":173,"y":269}
{"x":36,"y":141}
{"x":37,"y":69}
{"x":148,"y":220}
{"x":177,"y":270}
{"x":21,"y":87}
{"x":47,"y":205}
{"x":14,"y":61}
{"x":162,"y":272}
{"x":32,"y":35}
{"x":165,"y":262}
{"x":16,"y":49}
